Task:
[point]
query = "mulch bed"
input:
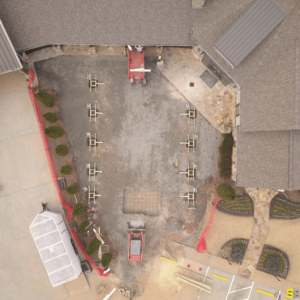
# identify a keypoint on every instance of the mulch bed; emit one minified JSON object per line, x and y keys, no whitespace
{"x":72,"y":179}
{"x":268,"y":251}
{"x":281,"y":208}
{"x":240,"y":206}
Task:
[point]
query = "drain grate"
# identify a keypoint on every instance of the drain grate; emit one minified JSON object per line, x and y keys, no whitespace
{"x":141,"y":201}
{"x":208,"y":78}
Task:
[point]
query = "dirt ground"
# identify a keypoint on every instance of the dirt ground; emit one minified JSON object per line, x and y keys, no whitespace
{"x":141,"y":130}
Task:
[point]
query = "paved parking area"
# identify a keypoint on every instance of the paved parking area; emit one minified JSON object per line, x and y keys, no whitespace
{"x":226,"y":286}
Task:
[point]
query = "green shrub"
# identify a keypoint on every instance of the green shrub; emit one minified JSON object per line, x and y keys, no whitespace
{"x":82,"y":228}
{"x":45,"y":98}
{"x":66,"y":170}
{"x":78,"y":210}
{"x":106,"y":259}
{"x":92,"y":247}
{"x":225,"y":163}
{"x":226,"y":192}
{"x":225,"y":156}
{"x":61,"y":150}
{"x":50,"y":117}
{"x":72,"y":190}
{"x":225,"y":152}
{"x":54,"y":132}
{"x":228,"y":141}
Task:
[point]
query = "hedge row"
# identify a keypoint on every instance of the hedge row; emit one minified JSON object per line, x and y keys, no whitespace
{"x":225,"y":156}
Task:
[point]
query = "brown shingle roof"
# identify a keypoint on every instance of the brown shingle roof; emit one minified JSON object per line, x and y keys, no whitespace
{"x":34,"y":23}
{"x":268,"y":140}
{"x":267,"y":76}
{"x":263,"y":159}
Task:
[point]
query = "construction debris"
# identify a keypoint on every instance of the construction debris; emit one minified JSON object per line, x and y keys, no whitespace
{"x":201,"y":276}
{"x":195,"y":283}
{"x":125,"y":293}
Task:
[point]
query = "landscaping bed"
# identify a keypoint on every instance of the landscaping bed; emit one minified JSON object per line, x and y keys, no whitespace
{"x":65,"y":167}
{"x":281,"y":208}
{"x":240,"y":206}
{"x":274,"y":261}
{"x":225,"y":156}
{"x":235,"y":249}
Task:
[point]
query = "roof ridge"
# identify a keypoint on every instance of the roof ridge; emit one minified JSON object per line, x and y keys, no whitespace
{"x":291,"y":159}
{"x":297,"y":84}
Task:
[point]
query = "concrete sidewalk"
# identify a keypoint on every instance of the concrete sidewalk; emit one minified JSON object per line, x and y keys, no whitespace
{"x":189,"y":256}
{"x":25,"y":182}
{"x":183,"y":70}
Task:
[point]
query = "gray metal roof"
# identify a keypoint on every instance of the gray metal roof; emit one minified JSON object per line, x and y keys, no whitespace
{"x":9,"y":60}
{"x":250,"y":30}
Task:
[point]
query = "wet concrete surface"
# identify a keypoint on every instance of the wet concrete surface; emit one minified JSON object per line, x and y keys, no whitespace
{"x":141,"y":130}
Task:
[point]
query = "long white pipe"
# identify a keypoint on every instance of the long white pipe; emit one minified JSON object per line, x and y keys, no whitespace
{"x":140,"y":70}
{"x":109,"y":295}
{"x":194,"y":285}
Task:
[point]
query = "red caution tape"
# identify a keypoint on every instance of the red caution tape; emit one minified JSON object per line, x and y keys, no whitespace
{"x":46,"y":146}
{"x":82,"y":250}
{"x":202,"y":243}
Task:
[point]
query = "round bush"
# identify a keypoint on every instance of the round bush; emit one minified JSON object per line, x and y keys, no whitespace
{"x":273,"y":264}
{"x":92,"y":247}
{"x":45,"y":98}
{"x":78,"y":210}
{"x":50,"y":117}
{"x":106,"y":259}
{"x":237,"y":253}
{"x":66,"y":170}
{"x":61,"y":150}
{"x":72,"y":190}
{"x":82,"y":228}
{"x":54,"y":132}
{"x":226,"y":192}
{"x":228,"y":141}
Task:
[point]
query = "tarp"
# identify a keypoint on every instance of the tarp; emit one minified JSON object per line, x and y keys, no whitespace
{"x":202,"y":243}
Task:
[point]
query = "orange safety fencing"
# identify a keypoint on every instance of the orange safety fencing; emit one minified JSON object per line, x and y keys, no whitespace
{"x":202,"y":243}
{"x":53,"y":173}
{"x":82,"y":250}
{"x":46,"y":146}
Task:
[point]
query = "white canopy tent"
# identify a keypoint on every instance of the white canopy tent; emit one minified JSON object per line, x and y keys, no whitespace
{"x":53,"y":242}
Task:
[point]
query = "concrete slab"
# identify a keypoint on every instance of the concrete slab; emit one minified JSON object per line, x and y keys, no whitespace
{"x":13,"y":295}
{"x":30,"y":158}
{"x":29,"y":203}
{"x":9,"y":178}
{"x":181,"y":68}
{"x":34,"y":290}
{"x":16,"y":114}
{"x":12,"y":82}
{"x":7,"y":283}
